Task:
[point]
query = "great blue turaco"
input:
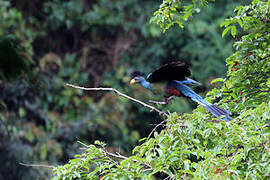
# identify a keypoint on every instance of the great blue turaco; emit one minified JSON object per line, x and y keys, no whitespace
{"x":175,"y":76}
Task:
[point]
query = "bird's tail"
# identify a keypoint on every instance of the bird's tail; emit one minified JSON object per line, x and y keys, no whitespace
{"x":188,"y":92}
{"x":218,"y":112}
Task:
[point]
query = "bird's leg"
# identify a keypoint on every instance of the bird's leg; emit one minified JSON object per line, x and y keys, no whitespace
{"x":158,"y":102}
{"x":169,"y":98}
{"x":166,"y":100}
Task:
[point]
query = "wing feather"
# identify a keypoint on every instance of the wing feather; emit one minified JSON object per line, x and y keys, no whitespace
{"x":171,"y":71}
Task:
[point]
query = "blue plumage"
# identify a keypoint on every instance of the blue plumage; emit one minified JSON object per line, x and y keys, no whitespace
{"x":188,"y":92}
{"x":176,"y":75}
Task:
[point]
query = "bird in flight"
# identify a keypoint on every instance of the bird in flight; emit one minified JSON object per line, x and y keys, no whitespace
{"x":175,"y":79}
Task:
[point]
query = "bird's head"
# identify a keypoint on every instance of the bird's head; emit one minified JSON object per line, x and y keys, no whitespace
{"x":137,"y":77}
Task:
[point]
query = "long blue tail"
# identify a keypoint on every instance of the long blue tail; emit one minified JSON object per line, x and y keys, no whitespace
{"x":214,"y":109}
{"x":218,"y":111}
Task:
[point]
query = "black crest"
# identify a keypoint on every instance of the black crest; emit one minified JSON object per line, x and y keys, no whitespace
{"x":135,"y":74}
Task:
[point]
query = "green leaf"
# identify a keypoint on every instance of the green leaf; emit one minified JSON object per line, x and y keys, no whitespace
{"x":217,"y":80}
{"x":186,"y":164}
{"x":240,"y":22}
{"x":226,"y":30}
{"x":225,"y":23}
{"x":233,"y":31}
{"x":196,"y":141}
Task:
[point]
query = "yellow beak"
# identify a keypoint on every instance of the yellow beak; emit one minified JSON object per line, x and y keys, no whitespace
{"x":132,"y":81}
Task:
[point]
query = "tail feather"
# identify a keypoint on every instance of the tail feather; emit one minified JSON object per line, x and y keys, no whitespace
{"x":221,"y":110}
{"x":215,"y":110}
{"x":188,"y":92}
{"x":218,"y":111}
{"x":212,"y":110}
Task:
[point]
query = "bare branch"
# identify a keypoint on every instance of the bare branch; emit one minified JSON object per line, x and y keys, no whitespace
{"x":120,"y":94}
{"x":158,"y":102}
{"x":83,"y":144}
{"x":37,"y":165}
{"x":162,"y":102}
{"x":117,"y":155}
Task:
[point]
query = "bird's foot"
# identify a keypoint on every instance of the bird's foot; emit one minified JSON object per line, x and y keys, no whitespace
{"x":166,"y":100}
{"x":158,"y":102}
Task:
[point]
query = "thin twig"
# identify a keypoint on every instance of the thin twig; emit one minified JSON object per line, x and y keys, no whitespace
{"x":154,"y":129}
{"x":118,"y":155}
{"x":226,"y":151}
{"x":120,"y":94}
{"x":83,"y":144}
{"x":158,"y":102}
{"x":254,"y":92}
{"x":149,"y":169}
{"x":36,"y":165}
{"x":236,"y":149}
{"x":232,"y":154}
{"x":162,"y":102}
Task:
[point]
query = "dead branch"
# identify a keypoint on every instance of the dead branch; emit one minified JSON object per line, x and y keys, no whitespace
{"x":37,"y":165}
{"x":120,"y":94}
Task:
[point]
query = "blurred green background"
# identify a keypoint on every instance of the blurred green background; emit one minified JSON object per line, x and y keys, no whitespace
{"x":92,"y":44}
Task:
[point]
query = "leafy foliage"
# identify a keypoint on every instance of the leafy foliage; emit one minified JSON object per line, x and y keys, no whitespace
{"x":196,"y":145}
{"x":176,"y":12}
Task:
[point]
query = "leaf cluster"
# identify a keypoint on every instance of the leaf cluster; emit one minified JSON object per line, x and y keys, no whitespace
{"x":176,"y":12}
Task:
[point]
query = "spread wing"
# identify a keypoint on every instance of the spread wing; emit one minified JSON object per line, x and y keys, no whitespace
{"x":171,"y":71}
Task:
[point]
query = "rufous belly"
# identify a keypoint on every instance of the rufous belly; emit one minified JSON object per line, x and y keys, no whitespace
{"x":172,"y":91}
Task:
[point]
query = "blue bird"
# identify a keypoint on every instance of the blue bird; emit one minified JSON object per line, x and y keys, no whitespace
{"x":175,"y":79}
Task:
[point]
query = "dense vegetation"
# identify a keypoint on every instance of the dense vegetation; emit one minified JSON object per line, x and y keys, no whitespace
{"x":98,"y":44}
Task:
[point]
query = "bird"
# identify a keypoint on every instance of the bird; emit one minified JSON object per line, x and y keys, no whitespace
{"x":175,"y":79}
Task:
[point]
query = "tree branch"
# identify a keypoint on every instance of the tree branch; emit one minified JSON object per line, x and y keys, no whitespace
{"x":154,"y":129}
{"x":232,"y":154}
{"x":120,"y":94}
{"x":162,"y":102}
{"x":254,"y":92}
{"x":36,"y":165}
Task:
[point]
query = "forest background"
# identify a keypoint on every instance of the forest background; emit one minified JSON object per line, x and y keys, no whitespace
{"x":93,"y":43}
